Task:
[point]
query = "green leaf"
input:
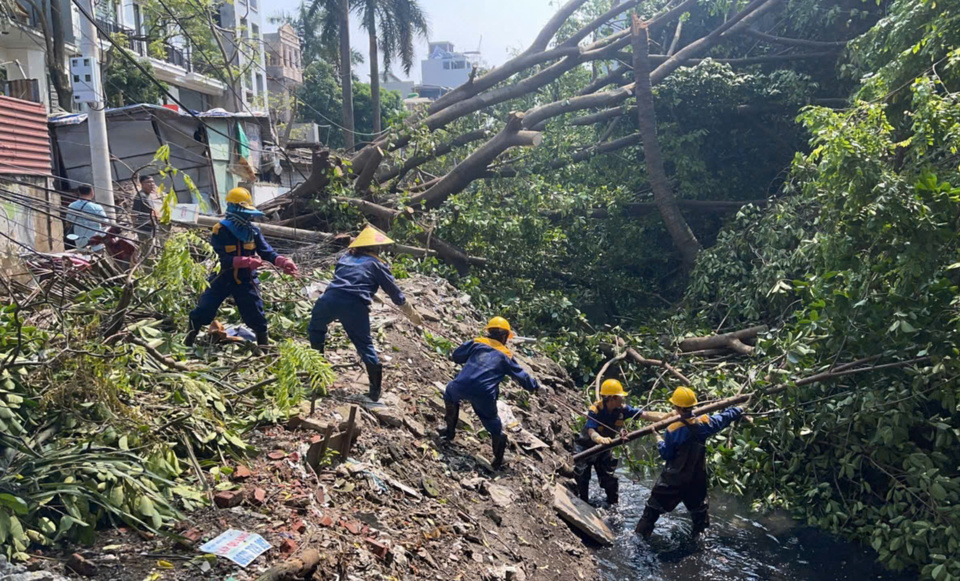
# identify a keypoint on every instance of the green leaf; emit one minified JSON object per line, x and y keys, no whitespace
{"x":14,"y":503}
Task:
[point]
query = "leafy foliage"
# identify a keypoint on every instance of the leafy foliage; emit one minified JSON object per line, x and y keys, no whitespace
{"x":859,"y":262}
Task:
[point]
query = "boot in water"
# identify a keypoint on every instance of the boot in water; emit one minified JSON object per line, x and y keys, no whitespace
{"x":375,"y":375}
{"x":499,"y":447}
{"x":451,"y":416}
{"x":647,"y":522}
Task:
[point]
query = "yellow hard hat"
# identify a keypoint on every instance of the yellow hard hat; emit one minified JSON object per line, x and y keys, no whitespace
{"x":499,"y":323}
{"x":612,"y":387}
{"x":371,"y":237}
{"x":683,"y":397}
{"x":241,"y":197}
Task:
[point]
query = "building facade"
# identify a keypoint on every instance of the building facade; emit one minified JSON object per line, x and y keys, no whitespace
{"x":23,"y":49}
{"x":284,"y":71}
{"x":445,"y":69}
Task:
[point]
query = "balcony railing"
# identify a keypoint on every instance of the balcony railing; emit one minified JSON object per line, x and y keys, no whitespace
{"x":179,"y":57}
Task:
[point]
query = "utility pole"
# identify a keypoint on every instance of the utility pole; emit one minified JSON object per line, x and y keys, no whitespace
{"x":96,"y":118}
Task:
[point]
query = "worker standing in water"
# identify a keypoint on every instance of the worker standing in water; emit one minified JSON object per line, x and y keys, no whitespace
{"x":486,"y":361}
{"x":360,"y":272}
{"x":242,"y":250}
{"x":605,"y":421}
{"x":684,"y":478}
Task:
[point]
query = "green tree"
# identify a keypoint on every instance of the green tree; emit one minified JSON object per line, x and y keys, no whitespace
{"x":400,"y":22}
{"x":321,"y":95}
{"x":125,"y":84}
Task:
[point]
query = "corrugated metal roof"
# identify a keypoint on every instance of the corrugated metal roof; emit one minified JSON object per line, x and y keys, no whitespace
{"x":24,"y":138}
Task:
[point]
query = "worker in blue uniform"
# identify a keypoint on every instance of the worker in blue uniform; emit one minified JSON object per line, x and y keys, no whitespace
{"x":486,"y":361}
{"x":684,"y":478}
{"x":242,"y":250}
{"x":606,"y":421}
{"x":359,"y":274}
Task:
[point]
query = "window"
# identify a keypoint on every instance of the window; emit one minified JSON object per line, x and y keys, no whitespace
{"x":457,"y":65}
{"x":259,"y":84}
{"x":446,"y":65}
{"x":255,"y":31}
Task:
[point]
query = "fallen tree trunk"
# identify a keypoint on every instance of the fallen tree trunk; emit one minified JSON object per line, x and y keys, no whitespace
{"x":680,"y":232}
{"x":300,"y":567}
{"x":476,"y":164}
{"x":841,"y":371}
{"x":732,"y":341}
{"x":271,"y":230}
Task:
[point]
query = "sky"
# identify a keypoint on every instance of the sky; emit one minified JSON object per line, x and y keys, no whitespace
{"x":497,"y":27}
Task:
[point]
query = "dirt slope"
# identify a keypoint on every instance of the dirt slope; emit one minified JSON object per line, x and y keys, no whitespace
{"x":405,"y":505}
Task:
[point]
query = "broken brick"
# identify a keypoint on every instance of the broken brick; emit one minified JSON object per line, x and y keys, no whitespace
{"x":321,"y":496}
{"x":326,"y":521}
{"x":81,"y":566}
{"x":228,"y":498}
{"x":299,"y":526}
{"x":190,"y":537}
{"x":377,"y":548}
{"x":242,"y":473}
{"x":288,"y":547}
{"x":277,"y":455}
{"x":259,"y":496}
{"x":352,"y":526}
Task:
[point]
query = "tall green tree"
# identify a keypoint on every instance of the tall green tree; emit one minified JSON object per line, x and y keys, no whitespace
{"x":399,"y":22}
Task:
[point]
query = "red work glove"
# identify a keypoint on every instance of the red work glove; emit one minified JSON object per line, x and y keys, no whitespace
{"x":286,"y":265}
{"x":247,"y":262}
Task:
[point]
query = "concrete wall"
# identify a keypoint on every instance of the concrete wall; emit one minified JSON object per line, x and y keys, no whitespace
{"x":27,"y":226}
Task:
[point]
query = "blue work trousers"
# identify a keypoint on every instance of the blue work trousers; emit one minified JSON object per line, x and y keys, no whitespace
{"x":484,"y":404}
{"x":353,"y":313}
{"x":246,"y":295}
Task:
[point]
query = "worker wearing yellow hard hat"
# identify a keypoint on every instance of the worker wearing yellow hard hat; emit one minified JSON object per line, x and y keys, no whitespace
{"x":486,"y":361}
{"x":242,"y":250}
{"x":684,"y":477}
{"x":606,"y":420}
{"x":359,"y":274}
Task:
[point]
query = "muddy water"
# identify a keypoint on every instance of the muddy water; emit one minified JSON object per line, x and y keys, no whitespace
{"x":738,"y":545}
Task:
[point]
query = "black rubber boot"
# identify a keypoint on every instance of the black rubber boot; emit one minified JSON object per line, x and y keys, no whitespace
{"x":613,"y":492}
{"x":499,"y":447}
{"x":701,"y":520}
{"x":375,"y":375}
{"x":317,"y":347}
{"x":451,"y":415}
{"x":583,"y":482}
{"x":262,"y":339}
{"x":647,"y":522}
{"x":191,"y":338}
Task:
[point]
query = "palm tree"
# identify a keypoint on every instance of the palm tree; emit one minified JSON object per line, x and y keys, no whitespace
{"x":334,"y":21}
{"x":399,"y":22}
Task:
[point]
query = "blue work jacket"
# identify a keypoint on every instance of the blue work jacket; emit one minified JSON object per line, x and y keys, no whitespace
{"x":606,"y":423}
{"x":362,"y":275}
{"x":485,"y":363}
{"x":679,"y":433}
{"x":230,"y":240}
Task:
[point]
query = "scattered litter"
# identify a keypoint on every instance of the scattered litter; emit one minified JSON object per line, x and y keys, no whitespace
{"x":239,"y":546}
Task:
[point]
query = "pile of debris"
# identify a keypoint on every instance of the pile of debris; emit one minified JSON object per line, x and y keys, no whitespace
{"x":346,"y":487}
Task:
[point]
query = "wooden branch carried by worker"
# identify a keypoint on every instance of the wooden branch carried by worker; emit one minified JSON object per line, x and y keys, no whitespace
{"x":840,"y":371}
{"x":734,"y":341}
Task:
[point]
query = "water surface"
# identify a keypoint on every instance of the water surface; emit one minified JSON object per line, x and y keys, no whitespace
{"x":739,"y":545}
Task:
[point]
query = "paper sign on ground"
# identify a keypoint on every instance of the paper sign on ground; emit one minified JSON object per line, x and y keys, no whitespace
{"x":238,"y":546}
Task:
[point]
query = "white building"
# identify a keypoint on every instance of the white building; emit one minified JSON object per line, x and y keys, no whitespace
{"x":445,"y":69}
{"x":187,"y":75}
{"x":391,"y":82}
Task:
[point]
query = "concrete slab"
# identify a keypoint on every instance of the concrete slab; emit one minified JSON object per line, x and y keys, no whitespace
{"x":581,"y":516}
